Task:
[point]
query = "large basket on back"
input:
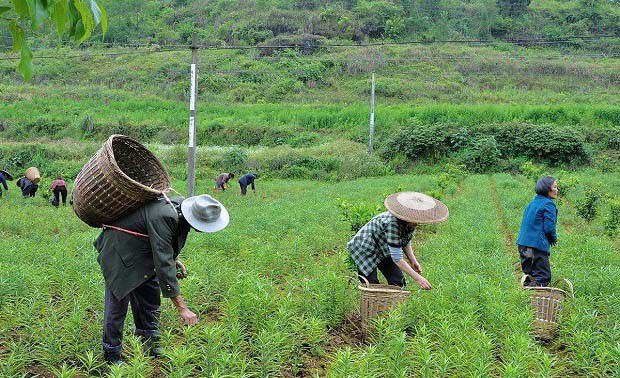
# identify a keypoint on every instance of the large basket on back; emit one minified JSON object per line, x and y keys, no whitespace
{"x":548,"y":302}
{"x":121,"y":177}
{"x":33,"y":174}
{"x":378,"y":298}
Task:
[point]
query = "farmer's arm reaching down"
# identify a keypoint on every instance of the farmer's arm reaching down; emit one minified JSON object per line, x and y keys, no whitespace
{"x":161,"y":234}
{"x":412,"y":260}
{"x":187,"y":316}
{"x":397,"y":256}
{"x":405,"y":267}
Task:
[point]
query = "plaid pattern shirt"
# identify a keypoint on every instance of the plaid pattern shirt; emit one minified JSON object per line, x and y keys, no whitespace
{"x":370,"y":245}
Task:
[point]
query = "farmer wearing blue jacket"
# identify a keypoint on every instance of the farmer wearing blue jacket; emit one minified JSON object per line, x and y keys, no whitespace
{"x":247,"y":180}
{"x":537,"y":233}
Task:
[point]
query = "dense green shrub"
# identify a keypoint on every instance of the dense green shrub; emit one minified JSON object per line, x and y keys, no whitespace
{"x":587,"y":206}
{"x":482,"y":155}
{"x":420,"y":141}
{"x":532,"y":171}
{"x":548,"y":143}
{"x":607,"y":138}
{"x":612,"y":219}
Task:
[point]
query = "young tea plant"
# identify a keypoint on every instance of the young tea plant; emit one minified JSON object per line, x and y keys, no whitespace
{"x":532,"y":171}
{"x":587,"y":206}
{"x":612,"y":219}
{"x":357,"y":214}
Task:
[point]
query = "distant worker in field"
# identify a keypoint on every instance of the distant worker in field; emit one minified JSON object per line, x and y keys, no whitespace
{"x":538,"y":232}
{"x":28,"y":188}
{"x":3,"y":179}
{"x":59,"y":189}
{"x":247,"y":180}
{"x":139,"y":261}
{"x":383,"y":241}
{"x":222,"y":180}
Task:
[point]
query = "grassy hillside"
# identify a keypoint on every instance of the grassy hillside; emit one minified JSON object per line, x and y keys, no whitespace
{"x":248,"y":100}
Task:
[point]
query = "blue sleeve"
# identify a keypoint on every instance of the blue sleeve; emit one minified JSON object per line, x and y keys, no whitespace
{"x":550,"y":217}
{"x":396,"y":253}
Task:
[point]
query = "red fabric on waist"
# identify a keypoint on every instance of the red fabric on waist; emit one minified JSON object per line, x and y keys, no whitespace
{"x":133,"y":233}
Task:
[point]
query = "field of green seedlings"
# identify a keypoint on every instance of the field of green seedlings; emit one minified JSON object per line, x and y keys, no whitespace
{"x":275,"y":300}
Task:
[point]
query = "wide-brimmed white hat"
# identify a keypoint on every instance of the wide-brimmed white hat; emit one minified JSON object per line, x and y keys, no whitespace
{"x":418,"y":208}
{"x":205,"y":213}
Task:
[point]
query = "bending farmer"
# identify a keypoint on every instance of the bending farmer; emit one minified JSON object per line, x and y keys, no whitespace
{"x":59,"y":188}
{"x":383,"y":241}
{"x":538,"y":233}
{"x":222,"y":180}
{"x":29,"y":188}
{"x":138,"y":258}
{"x":247,"y":180}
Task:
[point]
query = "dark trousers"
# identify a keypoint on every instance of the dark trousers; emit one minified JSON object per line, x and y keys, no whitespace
{"x":244,"y":189}
{"x":145,"y":301}
{"x":30,"y":190}
{"x":390,"y":271}
{"x":535,"y":263}
{"x":58,"y":192}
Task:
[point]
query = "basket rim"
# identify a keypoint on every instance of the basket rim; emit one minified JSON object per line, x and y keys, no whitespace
{"x":110,"y":141}
{"x":383,"y":290}
{"x":545,"y":289}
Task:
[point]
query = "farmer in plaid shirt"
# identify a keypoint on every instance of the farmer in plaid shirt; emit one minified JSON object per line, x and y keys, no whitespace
{"x":382,"y":242}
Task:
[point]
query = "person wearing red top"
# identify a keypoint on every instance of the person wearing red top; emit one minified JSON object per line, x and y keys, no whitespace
{"x":59,"y":187}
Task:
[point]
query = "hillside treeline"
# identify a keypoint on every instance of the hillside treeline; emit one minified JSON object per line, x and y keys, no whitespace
{"x":253,"y":22}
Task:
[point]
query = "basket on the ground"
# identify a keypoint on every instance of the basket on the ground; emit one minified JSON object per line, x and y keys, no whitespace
{"x":547,"y":302}
{"x":379,"y":298}
{"x":121,"y":176}
{"x":33,"y":174}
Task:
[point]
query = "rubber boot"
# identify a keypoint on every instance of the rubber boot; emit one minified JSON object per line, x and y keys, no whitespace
{"x":112,"y":358}
{"x":151,"y":347}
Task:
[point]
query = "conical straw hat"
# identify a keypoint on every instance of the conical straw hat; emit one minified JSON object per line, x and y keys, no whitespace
{"x":418,"y":208}
{"x":7,"y":175}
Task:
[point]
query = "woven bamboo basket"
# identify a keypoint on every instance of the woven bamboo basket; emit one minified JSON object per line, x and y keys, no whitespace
{"x":121,"y":177}
{"x":33,"y":174}
{"x":548,"y":302}
{"x":378,"y":298}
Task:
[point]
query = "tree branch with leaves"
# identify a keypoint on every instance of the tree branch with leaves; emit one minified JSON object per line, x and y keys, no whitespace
{"x":77,"y":19}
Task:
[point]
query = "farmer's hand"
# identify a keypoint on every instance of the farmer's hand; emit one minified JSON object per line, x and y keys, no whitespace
{"x":181,"y":270}
{"x":415,"y":265}
{"x":188,"y":317}
{"x":424,"y":284}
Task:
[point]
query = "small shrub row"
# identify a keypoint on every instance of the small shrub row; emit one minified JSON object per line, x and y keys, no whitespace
{"x":481,"y":148}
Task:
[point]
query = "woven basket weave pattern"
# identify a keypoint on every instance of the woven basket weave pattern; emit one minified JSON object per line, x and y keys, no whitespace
{"x":547,"y":303}
{"x":33,"y":174}
{"x":121,"y":176}
{"x":377,"y":299}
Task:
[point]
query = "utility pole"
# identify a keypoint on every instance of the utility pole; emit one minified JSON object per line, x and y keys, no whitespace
{"x":372,"y":115}
{"x":191,"y":158}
